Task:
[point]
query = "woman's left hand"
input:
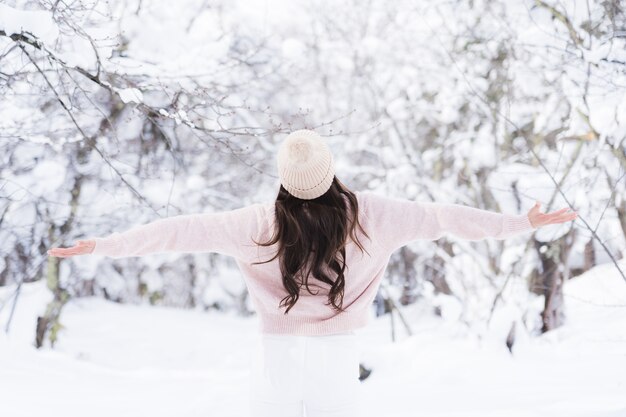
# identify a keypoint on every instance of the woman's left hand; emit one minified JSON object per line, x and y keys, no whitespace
{"x":538,"y":219}
{"x":82,"y":247}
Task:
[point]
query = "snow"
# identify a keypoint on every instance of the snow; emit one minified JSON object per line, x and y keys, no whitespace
{"x":129,"y":95}
{"x":47,"y":177}
{"x":36,"y":22}
{"x":321,"y":62}
{"x":293,"y":48}
{"x":129,"y":360}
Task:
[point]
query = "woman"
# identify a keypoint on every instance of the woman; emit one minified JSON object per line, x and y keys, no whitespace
{"x":312,"y":268}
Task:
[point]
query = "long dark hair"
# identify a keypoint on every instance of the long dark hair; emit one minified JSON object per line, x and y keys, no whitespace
{"x":312,"y":236}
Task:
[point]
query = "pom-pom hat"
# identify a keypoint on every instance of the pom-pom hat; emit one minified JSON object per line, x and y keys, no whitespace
{"x":305,"y":164}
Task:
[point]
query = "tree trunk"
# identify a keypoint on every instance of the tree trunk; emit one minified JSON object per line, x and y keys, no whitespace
{"x":434,"y":271}
{"x":410,"y":284}
{"x":49,"y":324}
{"x":550,"y":280}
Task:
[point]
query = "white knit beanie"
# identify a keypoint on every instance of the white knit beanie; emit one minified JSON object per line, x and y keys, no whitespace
{"x":305,"y":164}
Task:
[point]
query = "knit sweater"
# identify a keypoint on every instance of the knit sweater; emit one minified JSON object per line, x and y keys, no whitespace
{"x":390,"y":223}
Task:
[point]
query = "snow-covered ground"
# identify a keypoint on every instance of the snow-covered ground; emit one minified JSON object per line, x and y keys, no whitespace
{"x":122,"y":360}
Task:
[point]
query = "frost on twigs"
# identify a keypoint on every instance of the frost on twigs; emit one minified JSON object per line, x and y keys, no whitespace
{"x":130,"y":95}
{"x":36,"y":23}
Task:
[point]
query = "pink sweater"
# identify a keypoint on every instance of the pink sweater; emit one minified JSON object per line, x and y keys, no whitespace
{"x":390,"y":222}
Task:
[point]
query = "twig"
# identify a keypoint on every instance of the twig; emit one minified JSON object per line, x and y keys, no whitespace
{"x":395,"y":306}
{"x":90,"y":141}
{"x":528,"y":142}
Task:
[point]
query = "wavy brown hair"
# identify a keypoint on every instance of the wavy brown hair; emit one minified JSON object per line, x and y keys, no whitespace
{"x":312,"y":236}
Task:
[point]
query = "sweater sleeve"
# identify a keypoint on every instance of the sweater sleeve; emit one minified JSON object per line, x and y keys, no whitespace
{"x":401,"y":221}
{"x":226,"y":232}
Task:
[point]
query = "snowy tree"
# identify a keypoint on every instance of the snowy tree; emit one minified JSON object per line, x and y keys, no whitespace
{"x":117,"y":113}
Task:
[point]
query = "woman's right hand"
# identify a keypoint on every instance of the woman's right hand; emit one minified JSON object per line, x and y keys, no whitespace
{"x":82,"y":247}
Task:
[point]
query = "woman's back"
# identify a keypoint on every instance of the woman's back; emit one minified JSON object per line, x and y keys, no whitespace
{"x":310,"y":315}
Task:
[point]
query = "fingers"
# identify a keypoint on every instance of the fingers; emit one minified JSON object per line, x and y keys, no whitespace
{"x":560,"y":211}
{"x":563,"y":215}
{"x":565,"y":210}
{"x":62,"y":252}
{"x":562,"y":218}
{"x":65,"y":252}
{"x":82,"y":247}
{"x":556,"y":212}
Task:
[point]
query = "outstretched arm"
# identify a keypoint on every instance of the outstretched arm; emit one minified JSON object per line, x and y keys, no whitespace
{"x":403,"y":220}
{"x":223,"y":232}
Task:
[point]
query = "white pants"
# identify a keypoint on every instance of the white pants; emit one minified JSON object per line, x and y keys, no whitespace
{"x":312,"y":376}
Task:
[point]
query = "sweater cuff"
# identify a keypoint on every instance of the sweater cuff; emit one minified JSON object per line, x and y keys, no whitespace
{"x":104,"y":246}
{"x":515,"y":224}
